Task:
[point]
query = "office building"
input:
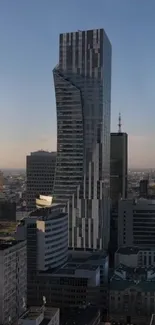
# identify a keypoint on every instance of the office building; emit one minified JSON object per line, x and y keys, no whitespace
{"x":13,"y":280}
{"x":67,"y":278}
{"x":49,"y":245}
{"x":40,"y":316}
{"x":82,"y":82}
{"x":40,"y":170}
{"x":118,"y":166}
{"x":143,"y":188}
{"x":46,"y":231}
{"x":136,"y":223}
{"x":131,"y":295}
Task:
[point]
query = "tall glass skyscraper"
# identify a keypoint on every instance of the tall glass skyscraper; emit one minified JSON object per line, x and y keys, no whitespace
{"x":83,"y":98}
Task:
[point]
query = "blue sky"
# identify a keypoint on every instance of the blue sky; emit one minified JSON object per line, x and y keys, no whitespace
{"x":29,"y":34}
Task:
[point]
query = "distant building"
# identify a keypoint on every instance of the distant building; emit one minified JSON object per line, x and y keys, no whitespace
{"x":136,"y":223}
{"x":143,"y":188}
{"x":1,"y":181}
{"x":7,"y":210}
{"x":118,"y":166}
{"x":13,"y":280}
{"x":131,"y":295}
{"x":40,"y":171}
{"x":40,"y":316}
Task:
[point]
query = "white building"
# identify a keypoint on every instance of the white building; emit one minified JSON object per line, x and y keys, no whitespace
{"x":13,"y":280}
{"x":136,"y":223}
{"x":40,"y":316}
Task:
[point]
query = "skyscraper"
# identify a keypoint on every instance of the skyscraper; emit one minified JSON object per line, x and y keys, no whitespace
{"x":143,"y":188}
{"x":118,"y":165}
{"x":40,"y":169}
{"x":82,"y":81}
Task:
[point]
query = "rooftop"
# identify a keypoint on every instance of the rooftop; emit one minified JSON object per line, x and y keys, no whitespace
{"x":79,"y":316}
{"x":43,"y":153}
{"x":125,"y":277}
{"x":47,"y":211}
{"x":5,"y":243}
{"x":34,"y":312}
{"x":128,"y":250}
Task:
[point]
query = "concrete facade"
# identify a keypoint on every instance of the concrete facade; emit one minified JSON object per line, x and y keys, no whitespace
{"x":13,"y":280}
{"x":136,"y":223}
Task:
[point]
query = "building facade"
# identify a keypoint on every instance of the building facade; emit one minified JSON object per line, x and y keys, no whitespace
{"x":82,"y":82}
{"x":46,"y":231}
{"x":132,"y":295}
{"x":136,"y":223}
{"x":135,"y":257}
{"x":143,"y":188}
{"x":7,"y":210}
{"x":40,"y":170}
{"x":118,"y":166}
{"x":13,"y":280}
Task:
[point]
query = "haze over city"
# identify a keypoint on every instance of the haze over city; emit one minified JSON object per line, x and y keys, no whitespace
{"x":29,"y":33}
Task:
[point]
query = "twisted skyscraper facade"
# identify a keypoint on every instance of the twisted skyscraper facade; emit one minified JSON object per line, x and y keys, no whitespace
{"x":82,"y":82}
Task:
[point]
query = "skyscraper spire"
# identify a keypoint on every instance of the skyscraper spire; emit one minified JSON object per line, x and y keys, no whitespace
{"x":119,"y":123}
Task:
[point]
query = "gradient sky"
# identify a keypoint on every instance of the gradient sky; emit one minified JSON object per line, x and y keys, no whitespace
{"x":29,"y":34}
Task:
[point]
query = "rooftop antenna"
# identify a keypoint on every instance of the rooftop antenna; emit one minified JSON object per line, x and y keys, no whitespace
{"x":119,"y":123}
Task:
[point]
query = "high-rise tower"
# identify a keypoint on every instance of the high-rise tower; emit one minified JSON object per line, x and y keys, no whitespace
{"x":82,"y":81}
{"x":118,"y":165}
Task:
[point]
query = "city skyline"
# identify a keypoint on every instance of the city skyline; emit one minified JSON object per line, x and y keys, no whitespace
{"x":28,"y":55}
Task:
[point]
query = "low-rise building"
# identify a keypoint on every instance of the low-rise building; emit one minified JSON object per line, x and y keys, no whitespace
{"x":132,"y":294}
{"x":13,"y":280}
{"x":40,"y":316}
{"x":135,"y":256}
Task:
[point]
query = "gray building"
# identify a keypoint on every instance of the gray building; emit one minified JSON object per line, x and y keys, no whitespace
{"x":66,"y":278}
{"x":118,"y":166}
{"x":143,"y":188}
{"x":46,"y":231}
{"x":132,"y":295}
{"x":136,"y":223}
{"x":13,"y":280}
{"x":40,"y":170}
{"x":82,"y":82}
